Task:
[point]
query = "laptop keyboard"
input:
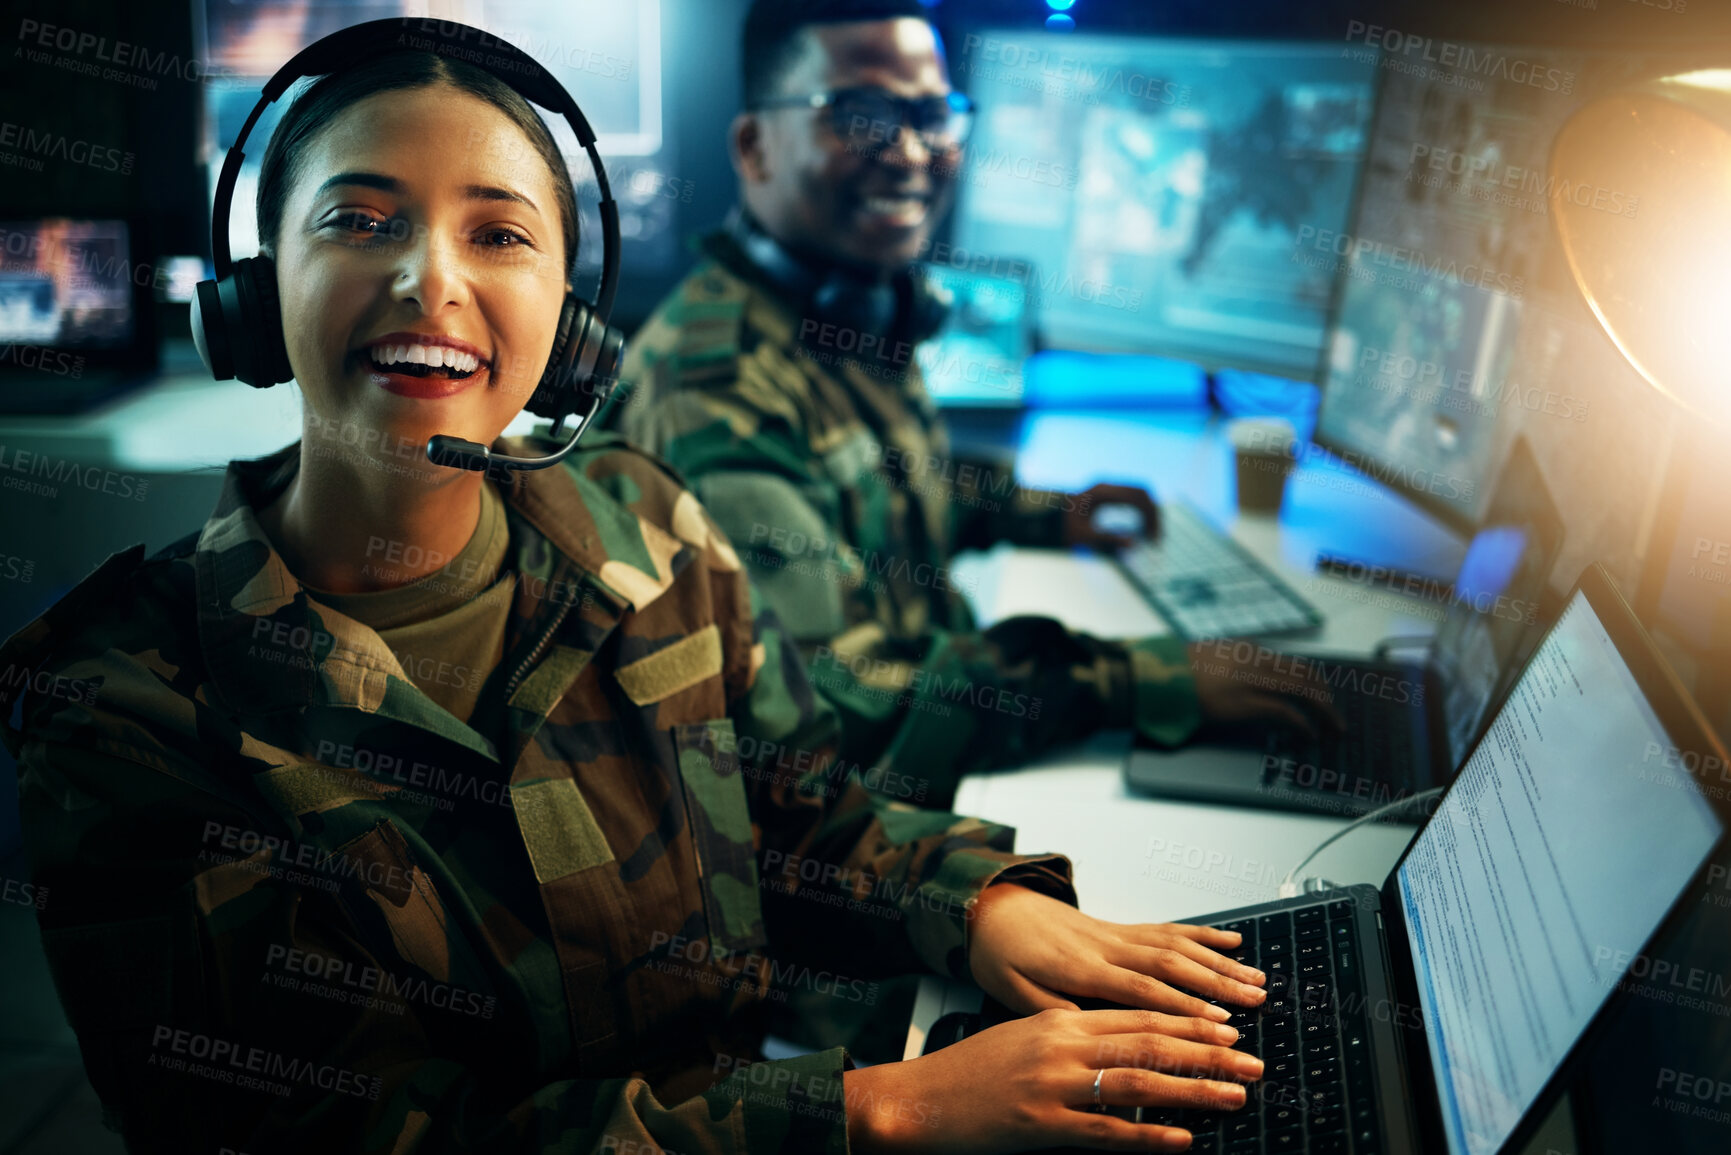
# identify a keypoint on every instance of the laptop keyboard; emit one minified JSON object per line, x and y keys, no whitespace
{"x":1377,"y":744}
{"x":1317,"y":1093}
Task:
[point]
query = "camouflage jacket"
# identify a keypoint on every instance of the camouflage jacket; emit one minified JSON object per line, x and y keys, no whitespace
{"x":292,"y":905}
{"x":820,"y":453}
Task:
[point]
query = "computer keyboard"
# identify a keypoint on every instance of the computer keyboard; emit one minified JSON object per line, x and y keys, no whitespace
{"x":1376,"y":744}
{"x":1317,"y":1093}
{"x":1207,"y":586}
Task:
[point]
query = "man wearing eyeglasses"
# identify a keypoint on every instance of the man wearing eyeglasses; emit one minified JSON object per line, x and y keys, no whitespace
{"x":779,"y":378}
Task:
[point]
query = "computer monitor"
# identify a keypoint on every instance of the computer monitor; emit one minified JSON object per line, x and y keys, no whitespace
{"x":66,"y":284}
{"x":1445,"y":261}
{"x":1495,"y":607}
{"x":1685,"y":583}
{"x":1691,"y":560}
{"x":1154,"y":189}
{"x":76,"y":324}
{"x":607,"y":56}
{"x":976,"y":360}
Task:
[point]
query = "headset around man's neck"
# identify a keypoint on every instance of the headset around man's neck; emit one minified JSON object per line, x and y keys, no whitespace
{"x":909,"y":305}
{"x":237,"y":318}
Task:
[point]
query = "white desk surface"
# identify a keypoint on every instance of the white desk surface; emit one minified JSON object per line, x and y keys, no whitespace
{"x":1142,"y":859}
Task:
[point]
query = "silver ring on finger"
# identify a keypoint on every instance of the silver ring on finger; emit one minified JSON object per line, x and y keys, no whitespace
{"x":1099,"y":1104}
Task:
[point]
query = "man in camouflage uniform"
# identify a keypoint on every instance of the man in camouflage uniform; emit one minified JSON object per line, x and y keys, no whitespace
{"x":831,"y":470}
{"x":294,"y":905}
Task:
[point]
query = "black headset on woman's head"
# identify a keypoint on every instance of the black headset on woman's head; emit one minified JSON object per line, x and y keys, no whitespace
{"x":237,"y":318}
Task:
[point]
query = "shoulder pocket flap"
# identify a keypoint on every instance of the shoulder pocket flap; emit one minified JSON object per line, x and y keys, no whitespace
{"x":541,"y":690}
{"x":303,"y":789}
{"x":558,"y":829}
{"x":673,"y":668}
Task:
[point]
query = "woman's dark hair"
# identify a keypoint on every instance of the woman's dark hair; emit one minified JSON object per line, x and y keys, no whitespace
{"x":328,"y":96}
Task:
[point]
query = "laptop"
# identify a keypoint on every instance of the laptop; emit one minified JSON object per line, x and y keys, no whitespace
{"x":1408,"y":723}
{"x":75,"y":314}
{"x":1445,"y":1012}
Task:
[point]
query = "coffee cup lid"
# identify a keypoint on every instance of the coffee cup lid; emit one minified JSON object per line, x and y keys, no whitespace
{"x":1268,"y":434}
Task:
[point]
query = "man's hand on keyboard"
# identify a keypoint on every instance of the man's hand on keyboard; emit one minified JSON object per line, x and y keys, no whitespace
{"x":1079,"y":527}
{"x":1032,"y":952}
{"x":1239,"y":681}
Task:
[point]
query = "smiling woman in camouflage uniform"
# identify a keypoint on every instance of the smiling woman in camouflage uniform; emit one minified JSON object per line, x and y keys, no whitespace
{"x":399,"y":809}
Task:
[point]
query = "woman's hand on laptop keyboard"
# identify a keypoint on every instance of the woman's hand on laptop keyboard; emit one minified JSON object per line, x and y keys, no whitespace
{"x":1032,"y":952}
{"x":1029,"y":1084}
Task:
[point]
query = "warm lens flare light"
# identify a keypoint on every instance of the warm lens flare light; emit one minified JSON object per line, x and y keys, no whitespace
{"x":1641,"y":196}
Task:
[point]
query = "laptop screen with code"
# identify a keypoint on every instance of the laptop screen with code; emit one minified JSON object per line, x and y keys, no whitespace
{"x":1551,"y":861}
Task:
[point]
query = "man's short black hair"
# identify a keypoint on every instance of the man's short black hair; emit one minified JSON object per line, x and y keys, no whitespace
{"x":773,"y":29}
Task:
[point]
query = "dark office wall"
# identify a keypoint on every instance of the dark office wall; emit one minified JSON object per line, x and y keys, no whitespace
{"x":700,"y":88}
{"x":165,"y":188}
{"x":157,"y":127}
{"x":1563,"y":22}
{"x":161,"y":125}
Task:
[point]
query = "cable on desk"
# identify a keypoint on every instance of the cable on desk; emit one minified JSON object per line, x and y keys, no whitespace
{"x":1290,"y":889}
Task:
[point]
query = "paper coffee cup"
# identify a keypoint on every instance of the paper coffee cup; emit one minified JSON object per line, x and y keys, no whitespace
{"x":1266,"y":448}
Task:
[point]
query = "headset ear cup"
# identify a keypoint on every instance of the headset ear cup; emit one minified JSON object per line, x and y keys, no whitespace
{"x":582,"y":374}
{"x":608,"y":356}
{"x":929,"y":305}
{"x":858,"y":306}
{"x":210,"y":332}
{"x":273,"y":362}
{"x":553,"y":396}
{"x":252,"y":315}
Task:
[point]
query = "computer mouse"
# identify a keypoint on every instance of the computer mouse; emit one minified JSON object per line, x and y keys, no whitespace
{"x":1119,"y":518}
